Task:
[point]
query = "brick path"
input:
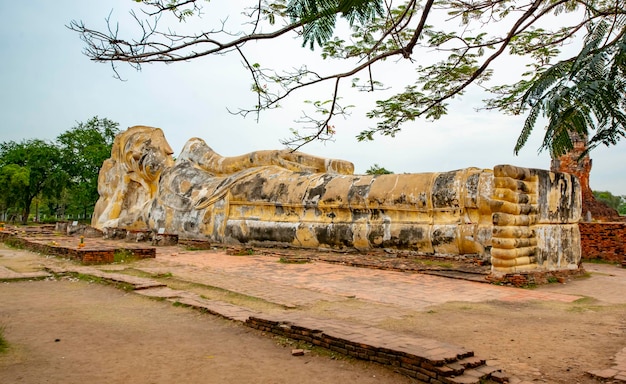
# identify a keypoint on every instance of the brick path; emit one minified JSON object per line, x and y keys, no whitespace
{"x":295,"y":287}
{"x":302,"y":284}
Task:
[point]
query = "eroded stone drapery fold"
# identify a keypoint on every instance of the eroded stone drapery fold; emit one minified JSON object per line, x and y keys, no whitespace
{"x":520,"y":219}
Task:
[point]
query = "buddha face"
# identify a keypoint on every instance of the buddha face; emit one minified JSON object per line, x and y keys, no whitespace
{"x":145,"y":152}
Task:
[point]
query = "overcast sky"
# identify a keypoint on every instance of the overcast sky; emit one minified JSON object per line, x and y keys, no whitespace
{"x":47,"y":85}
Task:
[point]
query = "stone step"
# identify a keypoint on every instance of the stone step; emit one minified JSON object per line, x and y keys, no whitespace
{"x":480,"y":375}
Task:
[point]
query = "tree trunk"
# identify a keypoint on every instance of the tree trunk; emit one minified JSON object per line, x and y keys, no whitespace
{"x":26,"y":212}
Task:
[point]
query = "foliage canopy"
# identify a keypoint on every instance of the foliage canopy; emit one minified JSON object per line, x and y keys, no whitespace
{"x":377,"y":170}
{"x":62,"y":176}
{"x":31,"y":168}
{"x":616,"y":202}
{"x":451,"y":45}
{"x":83,"y":150}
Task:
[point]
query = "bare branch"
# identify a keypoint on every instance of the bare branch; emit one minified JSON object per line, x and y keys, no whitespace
{"x":512,"y":32}
{"x":324,"y":131}
{"x":403,"y":30}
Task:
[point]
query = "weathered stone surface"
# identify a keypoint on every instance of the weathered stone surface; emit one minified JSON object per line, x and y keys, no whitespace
{"x":522,"y":219}
{"x":128,"y":180}
{"x":535,"y":217}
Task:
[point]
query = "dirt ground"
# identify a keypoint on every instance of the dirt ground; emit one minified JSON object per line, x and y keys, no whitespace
{"x":539,"y":341}
{"x":542,"y":342}
{"x":107,"y":335}
{"x":70,"y":331}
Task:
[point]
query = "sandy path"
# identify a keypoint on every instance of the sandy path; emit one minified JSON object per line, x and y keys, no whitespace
{"x":75,"y":332}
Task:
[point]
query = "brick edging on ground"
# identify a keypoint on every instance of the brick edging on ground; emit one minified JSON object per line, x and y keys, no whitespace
{"x":427,"y":360}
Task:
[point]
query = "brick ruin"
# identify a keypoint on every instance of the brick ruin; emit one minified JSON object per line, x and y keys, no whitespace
{"x":578,"y":163}
{"x":602,"y":230}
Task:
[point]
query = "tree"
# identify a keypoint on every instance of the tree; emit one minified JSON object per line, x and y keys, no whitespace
{"x":13,"y":179}
{"x":451,"y":44}
{"x":32,"y":167}
{"x":377,"y":170}
{"x":61,"y":175}
{"x":578,"y":95}
{"x":83,"y":150}
{"x":609,"y":199}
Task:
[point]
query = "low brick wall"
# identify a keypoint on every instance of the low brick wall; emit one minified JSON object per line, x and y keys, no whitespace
{"x":530,"y":279}
{"x":195,"y":244}
{"x":138,"y":236}
{"x":165,"y":239}
{"x":605,"y":241}
{"x":114,"y":233}
{"x":68,"y":228}
{"x":446,"y":367}
{"x":84,"y":255}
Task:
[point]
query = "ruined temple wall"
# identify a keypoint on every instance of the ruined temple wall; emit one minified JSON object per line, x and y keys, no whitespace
{"x":604,"y":241}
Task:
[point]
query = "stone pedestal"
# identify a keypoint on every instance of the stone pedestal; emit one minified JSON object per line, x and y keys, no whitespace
{"x":165,"y":239}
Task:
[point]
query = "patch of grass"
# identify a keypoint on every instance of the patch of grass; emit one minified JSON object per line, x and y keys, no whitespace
{"x":293,"y":260}
{"x":584,"y":304}
{"x":584,"y":300}
{"x":206,"y":291}
{"x":244,"y":252}
{"x":216,"y":293}
{"x":579,"y":309}
{"x":132,"y":272}
{"x":89,"y":278}
{"x":197,"y":248}
{"x":14,"y":243}
{"x":140,"y":273}
{"x":4,"y":344}
{"x":436,"y":263}
{"x":123,"y":256}
{"x":100,"y":280}
{"x":552,"y":280}
{"x":600,"y":261}
{"x":125,"y":286}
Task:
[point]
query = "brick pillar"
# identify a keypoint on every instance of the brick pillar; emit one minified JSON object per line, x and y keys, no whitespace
{"x":573,"y":163}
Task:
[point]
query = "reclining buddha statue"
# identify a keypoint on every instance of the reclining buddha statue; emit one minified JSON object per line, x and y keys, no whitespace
{"x":519,"y":219}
